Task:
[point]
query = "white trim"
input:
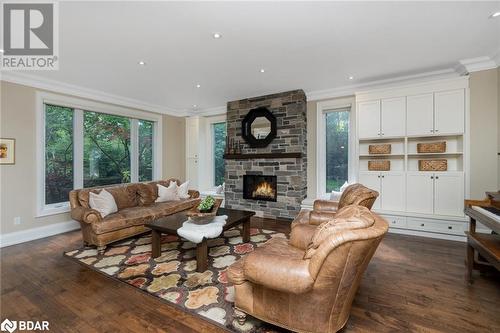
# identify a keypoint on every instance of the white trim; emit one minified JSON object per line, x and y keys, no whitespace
{"x":134,"y":150}
{"x":377,"y":84}
{"x":321,"y":108}
{"x":426,"y":234}
{"x":77,"y":148}
{"x":22,"y":236}
{"x":477,"y":64}
{"x":82,"y":92}
{"x":209,"y":148}
{"x":215,"y":111}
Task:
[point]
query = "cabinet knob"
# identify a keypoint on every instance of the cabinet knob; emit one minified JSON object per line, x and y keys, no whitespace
{"x":449,"y":227}
{"x":432,"y":177}
{"x":437,"y":177}
{"x":421,"y":224}
{"x":383,"y":176}
{"x":382,"y":133}
{"x":432,"y":131}
{"x":436,"y":130}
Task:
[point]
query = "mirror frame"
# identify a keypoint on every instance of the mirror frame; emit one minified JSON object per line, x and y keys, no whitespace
{"x":246,"y":127}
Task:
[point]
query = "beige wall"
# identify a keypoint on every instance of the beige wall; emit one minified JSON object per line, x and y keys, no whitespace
{"x":18,"y":183}
{"x":484,"y":136}
{"x":498,"y":149}
{"x":311,"y":149}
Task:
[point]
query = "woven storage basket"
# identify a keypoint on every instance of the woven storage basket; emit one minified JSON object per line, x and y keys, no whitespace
{"x":433,"y":165}
{"x":431,"y":147}
{"x":379,"y":165}
{"x":379,"y":149}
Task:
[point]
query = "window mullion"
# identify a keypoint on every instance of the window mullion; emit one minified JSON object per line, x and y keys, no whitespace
{"x":78,"y":148}
{"x":134,"y":150}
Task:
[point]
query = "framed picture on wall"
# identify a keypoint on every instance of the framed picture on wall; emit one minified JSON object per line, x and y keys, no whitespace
{"x":7,"y":151}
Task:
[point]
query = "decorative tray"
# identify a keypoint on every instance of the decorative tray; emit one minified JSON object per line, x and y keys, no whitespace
{"x":195,"y":213}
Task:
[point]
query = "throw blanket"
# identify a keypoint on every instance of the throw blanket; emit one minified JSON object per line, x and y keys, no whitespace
{"x":195,"y":232}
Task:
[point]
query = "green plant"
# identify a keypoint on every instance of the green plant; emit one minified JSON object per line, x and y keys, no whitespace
{"x":206,"y":204}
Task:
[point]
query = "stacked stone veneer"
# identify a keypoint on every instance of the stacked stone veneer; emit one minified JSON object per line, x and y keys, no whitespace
{"x":289,"y":108}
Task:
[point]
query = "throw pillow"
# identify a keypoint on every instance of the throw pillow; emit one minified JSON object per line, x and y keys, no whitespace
{"x":103,"y":202}
{"x":167,"y":193}
{"x":182,"y":190}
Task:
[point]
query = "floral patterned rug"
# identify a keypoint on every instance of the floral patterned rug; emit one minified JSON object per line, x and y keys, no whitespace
{"x":172,"y":277}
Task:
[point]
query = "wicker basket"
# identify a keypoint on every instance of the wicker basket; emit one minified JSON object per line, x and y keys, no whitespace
{"x":433,"y":165}
{"x":379,"y":149}
{"x":379,"y":165}
{"x":431,"y":147}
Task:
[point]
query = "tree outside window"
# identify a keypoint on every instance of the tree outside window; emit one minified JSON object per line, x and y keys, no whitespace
{"x":337,"y":152}
{"x":219,"y":146}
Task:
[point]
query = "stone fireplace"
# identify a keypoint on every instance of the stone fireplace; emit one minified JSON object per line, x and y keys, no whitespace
{"x":253,"y":174}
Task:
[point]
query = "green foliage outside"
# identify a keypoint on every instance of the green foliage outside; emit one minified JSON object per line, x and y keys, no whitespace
{"x":106,"y":151}
{"x":219,"y":137}
{"x":337,"y":143}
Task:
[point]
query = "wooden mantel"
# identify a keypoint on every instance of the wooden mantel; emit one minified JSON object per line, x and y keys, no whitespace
{"x":263,"y":155}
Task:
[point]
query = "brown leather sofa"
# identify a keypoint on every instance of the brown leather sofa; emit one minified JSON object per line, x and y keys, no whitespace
{"x":136,"y":206}
{"x":308,"y":283}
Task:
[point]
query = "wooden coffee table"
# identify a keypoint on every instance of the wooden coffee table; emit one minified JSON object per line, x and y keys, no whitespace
{"x":170,"y":224}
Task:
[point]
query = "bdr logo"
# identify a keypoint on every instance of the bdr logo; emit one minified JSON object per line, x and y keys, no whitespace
{"x":24,"y":325}
{"x":30,"y":35}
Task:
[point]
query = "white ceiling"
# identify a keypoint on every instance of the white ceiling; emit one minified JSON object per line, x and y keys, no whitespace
{"x":309,"y":46}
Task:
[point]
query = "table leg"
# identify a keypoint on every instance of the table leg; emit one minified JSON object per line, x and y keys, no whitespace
{"x":469,"y":263}
{"x":155,"y":243}
{"x":201,"y":256}
{"x":246,"y":231}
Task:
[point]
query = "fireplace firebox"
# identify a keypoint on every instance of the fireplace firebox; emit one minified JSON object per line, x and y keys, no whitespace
{"x":259,"y":187}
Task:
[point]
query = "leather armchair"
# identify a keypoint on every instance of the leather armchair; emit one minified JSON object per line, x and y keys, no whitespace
{"x":308,"y":288}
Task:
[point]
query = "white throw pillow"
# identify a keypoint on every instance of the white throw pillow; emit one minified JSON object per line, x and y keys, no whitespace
{"x":335,"y":196}
{"x":167,"y":193}
{"x":219,"y":189}
{"x":103,"y":202}
{"x":343,"y":187}
{"x":182,"y":190}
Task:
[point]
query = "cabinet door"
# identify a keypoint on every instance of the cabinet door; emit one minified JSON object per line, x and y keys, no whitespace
{"x":449,"y":112}
{"x":192,"y":172}
{"x":449,"y":194}
{"x":371,"y":180}
{"x":393,"y":117}
{"x":192,"y":136}
{"x":420,"y":114}
{"x":419,"y":192}
{"x":392,"y":196}
{"x":369,"y":119}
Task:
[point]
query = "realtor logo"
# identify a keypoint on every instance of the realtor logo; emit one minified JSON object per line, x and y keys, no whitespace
{"x":8,"y":325}
{"x":30,"y":36}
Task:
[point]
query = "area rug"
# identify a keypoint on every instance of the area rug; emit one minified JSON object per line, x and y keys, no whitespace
{"x":172,"y":277}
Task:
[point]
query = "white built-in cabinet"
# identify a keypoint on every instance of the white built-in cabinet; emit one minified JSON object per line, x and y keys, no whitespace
{"x":382,"y":118}
{"x":410,"y":199}
{"x":192,"y":153}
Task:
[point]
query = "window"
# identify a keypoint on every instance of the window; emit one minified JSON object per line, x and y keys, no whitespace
{"x":335,"y":158}
{"x":87,"y":148}
{"x":58,"y":153}
{"x":219,"y":145}
{"x":337,"y":148}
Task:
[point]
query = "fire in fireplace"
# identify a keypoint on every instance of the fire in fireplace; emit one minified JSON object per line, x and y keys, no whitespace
{"x":258,"y":187}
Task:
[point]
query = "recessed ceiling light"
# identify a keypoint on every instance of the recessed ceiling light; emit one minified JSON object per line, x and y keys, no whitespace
{"x":198,"y":85}
{"x":495,"y":14}
{"x":217,"y":35}
{"x":195,"y":106}
{"x":142,"y":63}
{"x":351,"y":77}
{"x":262,"y":70}
{"x":1,"y":50}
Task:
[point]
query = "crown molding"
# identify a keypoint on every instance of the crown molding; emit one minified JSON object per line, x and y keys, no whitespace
{"x":215,"y":111}
{"x":376,"y":84}
{"x":477,"y":64}
{"x":78,"y":91}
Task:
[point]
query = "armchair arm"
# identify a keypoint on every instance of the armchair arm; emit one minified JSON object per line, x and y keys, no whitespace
{"x":318,"y":217}
{"x":86,"y":215}
{"x":278,"y":272}
{"x":193,"y":194}
{"x":326,"y":205}
{"x":302,"y":218}
{"x":302,"y":235}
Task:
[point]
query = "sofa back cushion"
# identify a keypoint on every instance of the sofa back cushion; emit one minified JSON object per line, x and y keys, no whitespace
{"x":357,"y":194}
{"x":125,"y":195}
{"x":147,"y":193}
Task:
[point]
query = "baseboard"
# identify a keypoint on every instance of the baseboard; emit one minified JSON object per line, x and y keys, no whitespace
{"x":428,"y":234}
{"x":13,"y":238}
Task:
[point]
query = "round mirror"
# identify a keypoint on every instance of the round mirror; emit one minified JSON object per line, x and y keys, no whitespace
{"x":260,"y":127}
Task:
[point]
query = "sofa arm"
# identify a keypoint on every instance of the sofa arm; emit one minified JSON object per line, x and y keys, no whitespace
{"x":193,"y":194}
{"x":278,"y":272}
{"x":86,"y":215}
{"x":318,"y":217}
{"x":302,"y":235}
{"x":326,"y":205}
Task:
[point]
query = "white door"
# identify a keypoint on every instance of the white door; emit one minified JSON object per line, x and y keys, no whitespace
{"x":449,"y":193}
{"x":192,"y":136}
{"x":393,"y":191}
{"x":393,"y":117}
{"x":420,"y":114}
{"x":371,"y":180}
{"x":369,"y":119}
{"x":419,"y":192}
{"x":192,"y":172}
{"x":449,"y":112}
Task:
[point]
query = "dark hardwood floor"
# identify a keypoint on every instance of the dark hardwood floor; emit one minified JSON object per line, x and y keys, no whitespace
{"x":412,"y":284}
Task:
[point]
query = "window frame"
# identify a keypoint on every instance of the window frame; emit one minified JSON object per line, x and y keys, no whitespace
{"x":79,"y":106}
{"x":210,"y":176}
{"x":322,"y":109}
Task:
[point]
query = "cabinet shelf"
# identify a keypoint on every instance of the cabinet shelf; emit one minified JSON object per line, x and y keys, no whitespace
{"x":433,"y":135}
{"x":458,"y":153}
{"x":380,"y":155}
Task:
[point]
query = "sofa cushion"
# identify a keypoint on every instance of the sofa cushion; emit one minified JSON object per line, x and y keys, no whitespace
{"x":146,"y":195}
{"x":125,"y":195}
